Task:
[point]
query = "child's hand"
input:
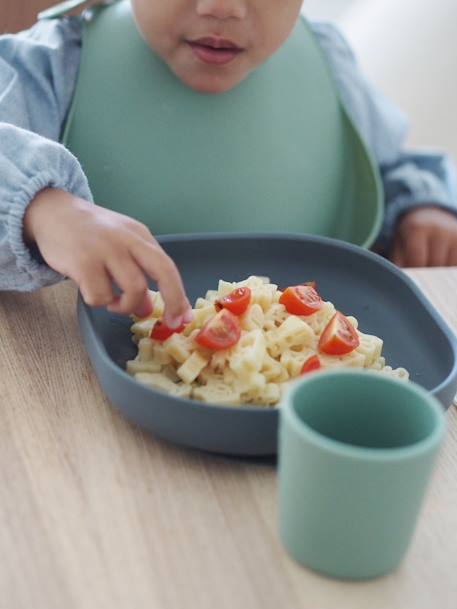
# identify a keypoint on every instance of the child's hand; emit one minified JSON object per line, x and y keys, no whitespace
{"x":94,"y":246}
{"x":426,"y":236}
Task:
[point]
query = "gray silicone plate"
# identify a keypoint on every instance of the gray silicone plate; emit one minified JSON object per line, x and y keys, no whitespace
{"x":384,"y":300}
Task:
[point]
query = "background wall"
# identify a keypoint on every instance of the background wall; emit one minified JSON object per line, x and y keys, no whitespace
{"x":409,"y":50}
{"x":16,"y":15}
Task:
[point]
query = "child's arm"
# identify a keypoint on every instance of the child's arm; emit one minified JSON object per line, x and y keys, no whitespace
{"x":420,"y":224}
{"x":49,"y":227}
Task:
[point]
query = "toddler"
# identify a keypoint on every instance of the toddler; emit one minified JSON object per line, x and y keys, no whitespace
{"x":51,"y":228}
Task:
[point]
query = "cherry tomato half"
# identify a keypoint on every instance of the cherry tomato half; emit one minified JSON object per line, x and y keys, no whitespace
{"x":301,"y":300}
{"x":312,"y":363}
{"x":161,"y":331}
{"x":339,"y":337}
{"x":237,"y":301}
{"x":220,"y":332}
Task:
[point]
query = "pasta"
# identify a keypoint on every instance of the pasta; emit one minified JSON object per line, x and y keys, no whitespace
{"x":272,"y":348}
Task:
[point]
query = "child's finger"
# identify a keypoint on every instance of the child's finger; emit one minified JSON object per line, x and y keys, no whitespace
{"x":438,"y":252}
{"x":144,"y":310}
{"x":160,"y":267}
{"x":133,"y":284}
{"x":416,"y":250}
{"x":452,"y":256}
{"x":96,"y":287}
{"x":397,"y":256}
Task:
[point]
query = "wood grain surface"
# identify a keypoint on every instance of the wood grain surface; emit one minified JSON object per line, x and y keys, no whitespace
{"x":97,"y":514}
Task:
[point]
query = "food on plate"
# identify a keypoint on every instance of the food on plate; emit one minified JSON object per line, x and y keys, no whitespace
{"x":339,"y":337}
{"x":248,"y":341}
{"x":236,"y":301}
{"x":301,"y":300}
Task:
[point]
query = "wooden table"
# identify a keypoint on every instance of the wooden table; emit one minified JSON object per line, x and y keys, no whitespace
{"x":97,"y":514}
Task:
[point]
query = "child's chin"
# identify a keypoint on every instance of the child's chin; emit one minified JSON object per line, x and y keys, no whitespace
{"x":212,"y":86}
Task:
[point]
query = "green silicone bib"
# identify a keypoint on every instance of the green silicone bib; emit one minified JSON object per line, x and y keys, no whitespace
{"x":276,"y":154}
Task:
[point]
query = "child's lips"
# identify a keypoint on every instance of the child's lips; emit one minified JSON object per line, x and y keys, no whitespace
{"x":216,"y":51}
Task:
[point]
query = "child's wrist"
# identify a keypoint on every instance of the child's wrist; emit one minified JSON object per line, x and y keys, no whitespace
{"x":44,"y":203}
{"x":30,"y":214}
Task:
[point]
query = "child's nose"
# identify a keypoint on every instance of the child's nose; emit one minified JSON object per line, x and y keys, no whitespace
{"x":222,"y":9}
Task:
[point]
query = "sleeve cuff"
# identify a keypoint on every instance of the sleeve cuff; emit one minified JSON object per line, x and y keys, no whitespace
{"x":33,"y":270}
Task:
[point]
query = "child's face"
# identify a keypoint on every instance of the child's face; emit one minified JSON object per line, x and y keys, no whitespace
{"x":212,"y":45}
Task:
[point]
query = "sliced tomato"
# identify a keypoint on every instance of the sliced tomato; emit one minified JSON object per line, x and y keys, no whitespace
{"x":161,"y":331}
{"x":312,"y":363}
{"x":220,"y":332}
{"x":237,"y":301}
{"x":301,"y":300}
{"x":339,"y":336}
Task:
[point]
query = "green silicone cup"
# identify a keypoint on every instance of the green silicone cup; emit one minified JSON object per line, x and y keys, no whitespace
{"x":356,"y":451}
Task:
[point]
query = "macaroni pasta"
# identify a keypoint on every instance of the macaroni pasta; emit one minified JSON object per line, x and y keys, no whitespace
{"x":271,"y":351}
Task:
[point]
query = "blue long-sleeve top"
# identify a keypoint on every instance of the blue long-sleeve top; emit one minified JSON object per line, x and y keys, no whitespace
{"x":38,"y":73}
